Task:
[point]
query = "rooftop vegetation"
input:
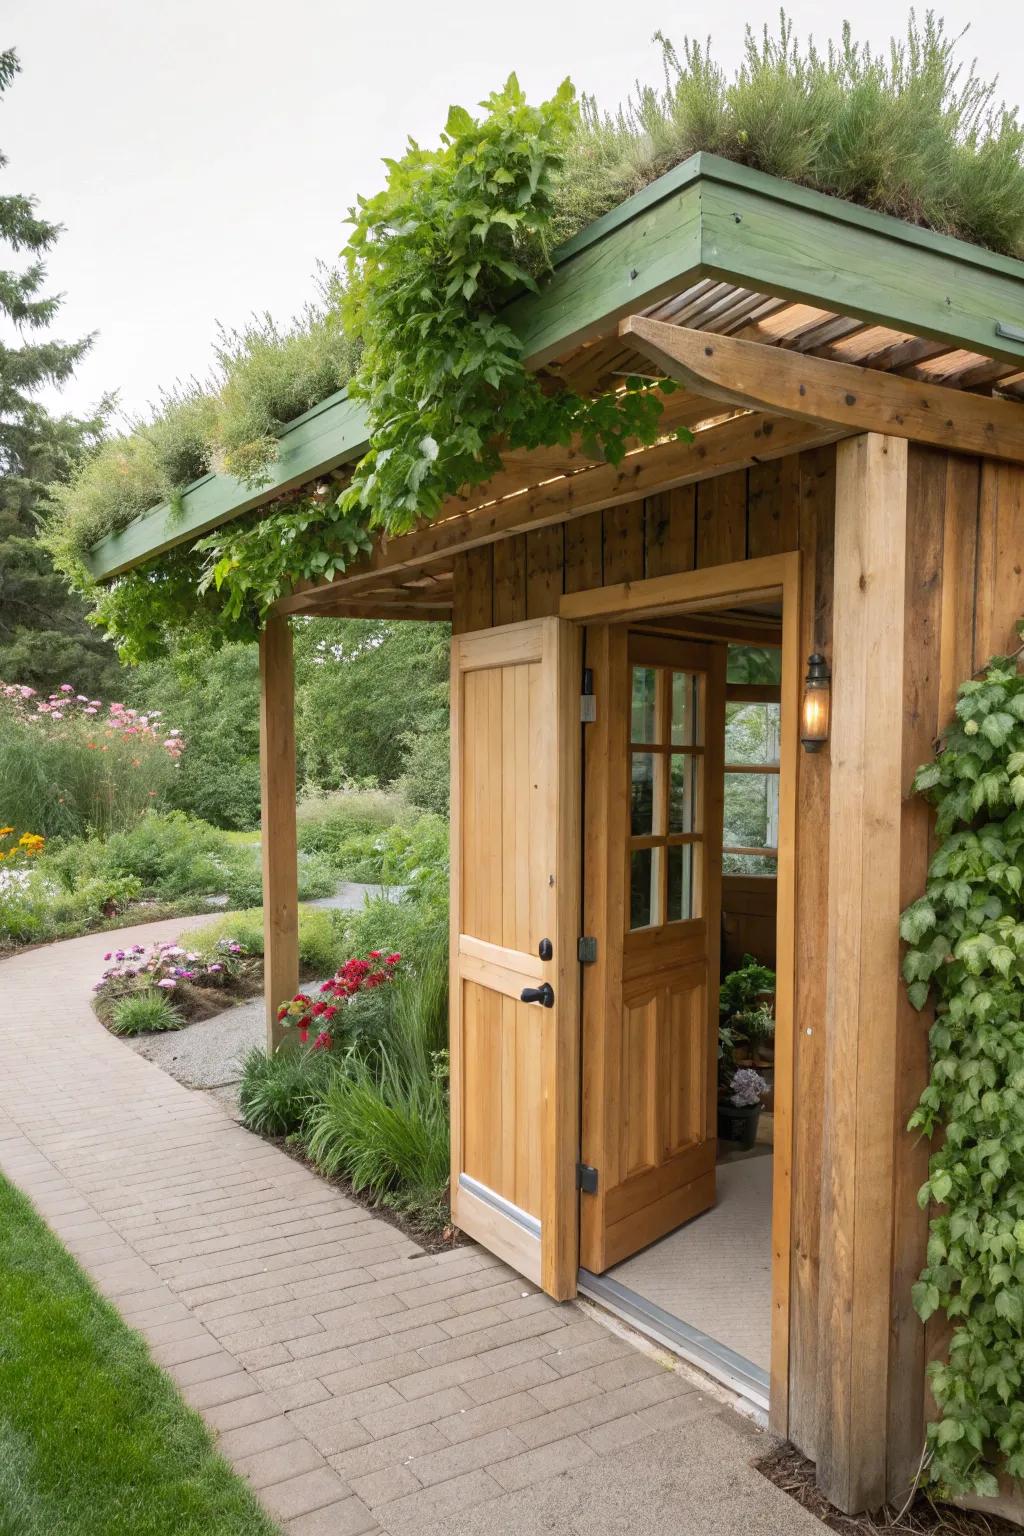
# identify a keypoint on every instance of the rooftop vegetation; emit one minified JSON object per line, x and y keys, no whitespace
{"x":412,"y":323}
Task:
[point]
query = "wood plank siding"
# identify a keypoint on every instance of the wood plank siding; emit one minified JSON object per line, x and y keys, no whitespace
{"x":957,"y":591}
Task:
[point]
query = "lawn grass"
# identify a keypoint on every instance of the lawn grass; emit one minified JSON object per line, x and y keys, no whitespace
{"x":94,"y":1438}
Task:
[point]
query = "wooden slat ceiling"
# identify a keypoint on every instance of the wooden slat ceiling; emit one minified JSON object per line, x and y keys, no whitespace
{"x":731,"y":311}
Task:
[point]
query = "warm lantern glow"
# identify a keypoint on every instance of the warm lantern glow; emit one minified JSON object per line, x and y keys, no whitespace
{"x":817,"y":694}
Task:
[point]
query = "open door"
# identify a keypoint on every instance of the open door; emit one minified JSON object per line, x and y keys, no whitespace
{"x":515,"y":814}
{"x":652,"y":902}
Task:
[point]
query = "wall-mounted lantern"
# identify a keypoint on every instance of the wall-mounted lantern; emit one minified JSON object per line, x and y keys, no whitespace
{"x":817,"y":695}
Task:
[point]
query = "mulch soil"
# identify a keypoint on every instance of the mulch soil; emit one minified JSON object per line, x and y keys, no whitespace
{"x":794,"y":1474}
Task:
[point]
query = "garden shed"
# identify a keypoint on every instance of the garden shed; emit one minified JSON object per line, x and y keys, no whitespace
{"x":852,"y":489}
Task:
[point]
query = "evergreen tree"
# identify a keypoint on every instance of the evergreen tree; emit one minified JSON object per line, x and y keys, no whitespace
{"x":44,"y":639}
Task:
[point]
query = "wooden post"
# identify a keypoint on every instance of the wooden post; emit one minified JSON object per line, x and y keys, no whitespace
{"x":862,"y":1001}
{"x":277,"y":797}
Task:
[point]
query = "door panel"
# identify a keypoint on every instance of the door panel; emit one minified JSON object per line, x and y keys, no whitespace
{"x":515,"y":878}
{"x":652,"y":898}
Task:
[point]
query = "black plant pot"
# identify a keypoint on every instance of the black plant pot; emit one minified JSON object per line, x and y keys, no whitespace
{"x":738,"y":1123}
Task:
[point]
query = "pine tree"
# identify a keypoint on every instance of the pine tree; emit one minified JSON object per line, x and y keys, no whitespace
{"x":44,"y":639}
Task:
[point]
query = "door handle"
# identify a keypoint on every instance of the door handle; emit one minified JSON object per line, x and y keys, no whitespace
{"x":544,"y":994}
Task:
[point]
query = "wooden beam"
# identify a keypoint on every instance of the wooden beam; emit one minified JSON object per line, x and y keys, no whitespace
{"x":338,"y":608}
{"x":277,"y":822}
{"x":862,"y":1016}
{"x":814,"y":389}
{"x":731,"y":445}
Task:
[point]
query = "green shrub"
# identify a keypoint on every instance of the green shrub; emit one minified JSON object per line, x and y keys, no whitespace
{"x":276,"y":1091}
{"x":331,"y":823}
{"x":148,"y":1012}
{"x":323,"y":941}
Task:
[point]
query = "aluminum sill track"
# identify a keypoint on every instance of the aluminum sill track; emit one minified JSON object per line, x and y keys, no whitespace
{"x":724,"y":1364}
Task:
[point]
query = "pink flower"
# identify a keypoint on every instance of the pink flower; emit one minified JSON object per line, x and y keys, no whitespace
{"x":322,"y":1041}
{"x":66,"y":688}
{"x":168,"y":984}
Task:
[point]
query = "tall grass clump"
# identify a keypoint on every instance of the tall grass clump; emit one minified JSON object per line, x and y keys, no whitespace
{"x":912,"y":131}
{"x":276,"y":1091}
{"x":271,"y":374}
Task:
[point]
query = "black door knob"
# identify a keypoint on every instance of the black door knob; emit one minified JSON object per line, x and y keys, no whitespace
{"x":544,"y":994}
{"x":545,"y":949}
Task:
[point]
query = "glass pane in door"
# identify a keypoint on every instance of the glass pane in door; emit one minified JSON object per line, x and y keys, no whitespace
{"x":643,"y":725}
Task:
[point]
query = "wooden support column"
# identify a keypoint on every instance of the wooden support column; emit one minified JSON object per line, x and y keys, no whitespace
{"x":862,"y":1016}
{"x":277,"y":821}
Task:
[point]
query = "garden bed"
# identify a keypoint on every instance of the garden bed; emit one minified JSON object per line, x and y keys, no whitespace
{"x":789,"y":1470}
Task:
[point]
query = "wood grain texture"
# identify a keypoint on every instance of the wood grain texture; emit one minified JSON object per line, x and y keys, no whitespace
{"x":623,"y":536}
{"x":773,"y":507}
{"x":510,"y":580}
{"x":670,"y":531}
{"x":817,"y":512}
{"x":722,"y":519}
{"x":277,"y":822}
{"x":816,"y":389}
{"x":863,"y":965}
{"x":515,"y":860}
{"x":1000,"y":584}
{"x":545,"y":570}
{"x":926,"y":599}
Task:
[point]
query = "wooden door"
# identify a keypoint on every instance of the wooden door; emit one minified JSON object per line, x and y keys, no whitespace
{"x":652,"y":900}
{"x":515,"y":817}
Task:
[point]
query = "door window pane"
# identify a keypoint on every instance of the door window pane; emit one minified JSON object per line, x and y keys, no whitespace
{"x":685,"y":714}
{"x":682,"y":792}
{"x":641,"y":814}
{"x":680,"y":882}
{"x":751,"y":733}
{"x":751,"y":810}
{"x":644,"y":887}
{"x":643,"y":727}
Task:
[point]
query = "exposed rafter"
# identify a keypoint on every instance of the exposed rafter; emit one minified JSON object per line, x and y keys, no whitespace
{"x":735,"y":443}
{"x":844,"y":394}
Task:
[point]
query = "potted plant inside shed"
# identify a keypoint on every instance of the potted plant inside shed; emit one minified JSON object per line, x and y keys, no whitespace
{"x":740,"y":1109}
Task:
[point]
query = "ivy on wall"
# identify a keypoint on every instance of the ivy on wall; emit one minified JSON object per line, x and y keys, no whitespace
{"x":965,"y":939}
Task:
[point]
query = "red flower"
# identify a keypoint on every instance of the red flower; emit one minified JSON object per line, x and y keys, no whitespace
{"x":303,"y":1032}
{"x":393,"y":959}
{"x":329,"y":1013}
{"x":375,"y":954}
{"x":322,"y":1041}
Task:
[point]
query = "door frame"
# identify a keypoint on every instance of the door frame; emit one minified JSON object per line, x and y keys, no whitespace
{"x":722,"y":586}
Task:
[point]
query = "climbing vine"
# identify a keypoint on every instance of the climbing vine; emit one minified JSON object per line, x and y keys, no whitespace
{"x":965,"y":939}
{"x":455,"y":236}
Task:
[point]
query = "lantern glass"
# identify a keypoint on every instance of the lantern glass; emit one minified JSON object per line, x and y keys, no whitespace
{"x":817,"y":696}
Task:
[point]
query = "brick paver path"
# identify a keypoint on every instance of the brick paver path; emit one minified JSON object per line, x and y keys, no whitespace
{"x":358,"y":1383}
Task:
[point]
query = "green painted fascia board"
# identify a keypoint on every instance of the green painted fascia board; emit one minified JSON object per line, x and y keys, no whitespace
{"x":800,"y":249}
{"x":311,"y":445}
{"x":706,"y":217}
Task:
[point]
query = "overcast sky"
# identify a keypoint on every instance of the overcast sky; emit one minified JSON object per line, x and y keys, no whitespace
{"x":203,"y":153}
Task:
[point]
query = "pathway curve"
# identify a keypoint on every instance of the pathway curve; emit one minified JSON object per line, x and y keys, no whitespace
{"x":357,"y":1382}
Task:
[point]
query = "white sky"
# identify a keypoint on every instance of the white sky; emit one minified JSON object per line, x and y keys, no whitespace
{"x":203,"y":153}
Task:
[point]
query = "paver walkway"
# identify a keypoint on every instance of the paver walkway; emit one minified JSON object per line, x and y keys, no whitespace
{"x":359,"y":1383}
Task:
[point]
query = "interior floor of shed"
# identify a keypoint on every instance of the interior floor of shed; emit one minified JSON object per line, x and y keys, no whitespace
{"x":714,"y":1273}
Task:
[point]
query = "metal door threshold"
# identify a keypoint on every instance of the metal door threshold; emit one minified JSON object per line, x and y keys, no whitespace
{"x":724,"y":1364}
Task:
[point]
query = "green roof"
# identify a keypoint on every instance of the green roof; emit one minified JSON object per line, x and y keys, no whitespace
{"x":706,"y":218}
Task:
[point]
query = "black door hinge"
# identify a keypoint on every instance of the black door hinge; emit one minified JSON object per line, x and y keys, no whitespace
{"x":588,"y":703}
{"x":586,"y":950}
{"x":586,"y":1179}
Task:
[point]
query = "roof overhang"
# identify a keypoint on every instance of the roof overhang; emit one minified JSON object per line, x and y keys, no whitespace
{"x":710,"y":246}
